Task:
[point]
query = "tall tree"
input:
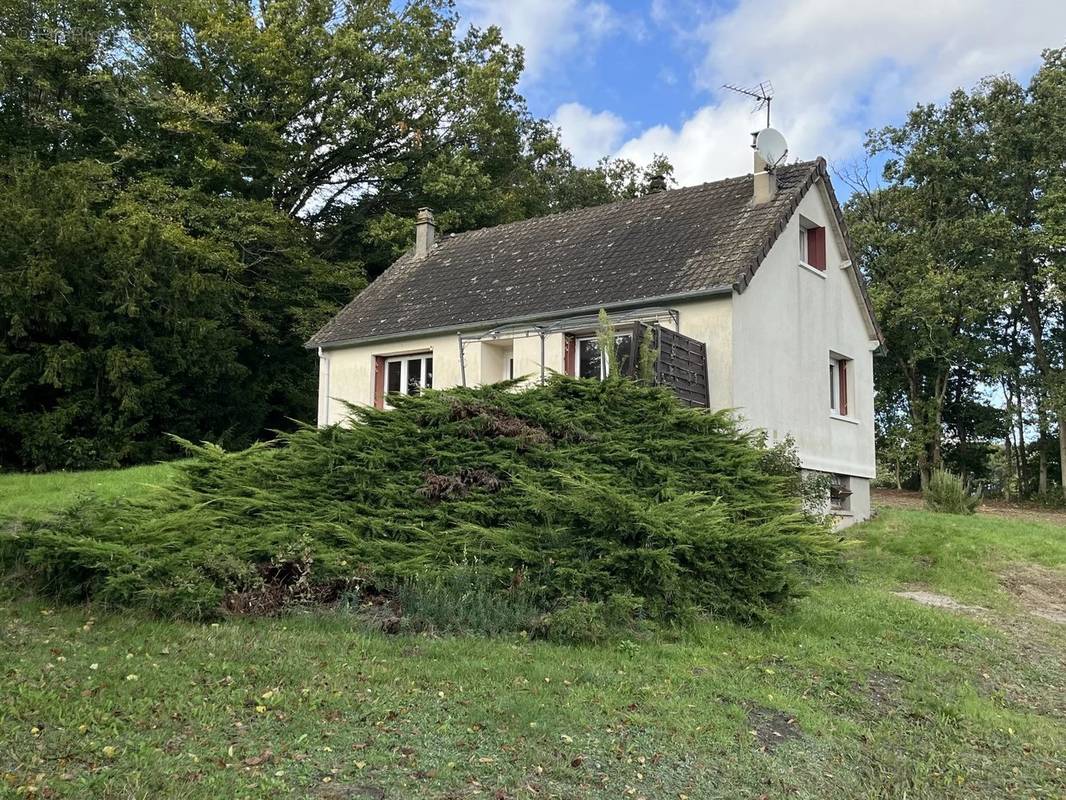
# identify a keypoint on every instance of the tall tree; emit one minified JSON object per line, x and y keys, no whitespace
{"x":977,"y":183}
{"x":930,"y":299}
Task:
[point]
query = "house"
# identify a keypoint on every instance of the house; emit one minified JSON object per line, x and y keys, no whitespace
{"x":757,"y":269}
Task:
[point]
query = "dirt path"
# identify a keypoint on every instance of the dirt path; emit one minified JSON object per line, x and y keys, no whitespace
{"x":893,"y":498}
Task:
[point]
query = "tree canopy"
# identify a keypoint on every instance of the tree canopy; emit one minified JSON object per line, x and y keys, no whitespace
{"x":964,"y":248}
{"x":190,"y":188}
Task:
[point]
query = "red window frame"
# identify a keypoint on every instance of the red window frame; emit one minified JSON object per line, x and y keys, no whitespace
{"x":838,"y":385}
{"x":842,"y":374}
{"x":815,"y":247}
{"x":379,"y":381}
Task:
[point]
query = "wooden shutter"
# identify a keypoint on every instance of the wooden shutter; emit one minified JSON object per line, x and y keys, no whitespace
{"x":569,"y":350}
{"x":842,"y":372}
{"x":379,"y":381}
{"x":816,"y":247}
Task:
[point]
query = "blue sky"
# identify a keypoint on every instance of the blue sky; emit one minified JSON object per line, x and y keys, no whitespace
{"x":636,"y":77}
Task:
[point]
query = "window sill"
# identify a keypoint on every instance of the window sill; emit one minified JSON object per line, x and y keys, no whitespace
{"x":841,"y":418}
{"x":819,"y":272}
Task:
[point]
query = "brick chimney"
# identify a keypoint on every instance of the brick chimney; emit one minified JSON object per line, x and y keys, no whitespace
{"x":765,"y":182}
{"x":656,"y":184}
{"x":425,"y":232}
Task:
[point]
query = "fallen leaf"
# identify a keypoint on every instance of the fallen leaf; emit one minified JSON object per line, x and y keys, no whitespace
{"x":262,"y":758}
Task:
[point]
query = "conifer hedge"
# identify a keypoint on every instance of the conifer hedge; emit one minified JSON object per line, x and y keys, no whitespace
{"x":574,"y":490}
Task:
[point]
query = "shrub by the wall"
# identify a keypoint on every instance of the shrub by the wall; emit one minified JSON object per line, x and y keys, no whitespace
{"x":575,"y":489}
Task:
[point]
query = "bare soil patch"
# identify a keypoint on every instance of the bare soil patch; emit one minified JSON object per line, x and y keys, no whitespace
{"x":934,"y":600}
{"x":771,"y":727}
{"x":882,"y":689}
{"x":1039,"y":590}
{"x":897,"y":498}
{"x":344,"y":791}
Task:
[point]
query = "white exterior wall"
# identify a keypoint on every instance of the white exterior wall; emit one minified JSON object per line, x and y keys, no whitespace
{"x":710,"y":320}
{"x":784,"y":326}
{"x":347,"y":373}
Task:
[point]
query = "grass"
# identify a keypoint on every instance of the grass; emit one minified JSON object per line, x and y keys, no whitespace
{"x":856,"y":694}
{"x":28,"y":496}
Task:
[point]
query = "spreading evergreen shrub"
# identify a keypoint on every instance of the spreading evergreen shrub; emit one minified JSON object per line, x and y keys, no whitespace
{"x":949,"y":494}
{"x":571,"y":491}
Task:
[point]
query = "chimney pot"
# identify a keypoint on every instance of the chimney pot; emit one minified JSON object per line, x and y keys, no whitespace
{"x":425,"y":232}
{"x":656,"y":184}
{"x":765,"y":182}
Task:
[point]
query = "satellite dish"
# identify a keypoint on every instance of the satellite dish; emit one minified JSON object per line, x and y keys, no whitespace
{"x":771,"y":146}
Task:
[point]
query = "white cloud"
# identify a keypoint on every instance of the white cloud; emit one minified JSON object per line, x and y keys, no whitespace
{"x":547,"y":29}
{"x":838,"y":68}
{"x":588,"y":135}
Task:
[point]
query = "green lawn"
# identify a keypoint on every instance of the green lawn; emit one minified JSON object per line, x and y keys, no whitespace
{"x":34,"y":496}
{"x":856,"y":694}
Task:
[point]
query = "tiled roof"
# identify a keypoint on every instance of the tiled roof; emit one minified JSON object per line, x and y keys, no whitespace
{"x":678,"y":242}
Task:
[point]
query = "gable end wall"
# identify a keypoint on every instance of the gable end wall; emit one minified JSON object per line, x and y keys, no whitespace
{"x":784,"y":326}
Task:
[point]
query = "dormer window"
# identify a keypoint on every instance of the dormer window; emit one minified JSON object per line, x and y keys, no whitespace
{"x":812,"y":244}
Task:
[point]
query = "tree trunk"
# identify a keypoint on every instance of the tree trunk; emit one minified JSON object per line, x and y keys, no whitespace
{"x":1041,"y":414}
{"x":927,"y":417}
{"x":940,"y":388}
{"x":1044,"y":368}
{"x":1008,"y":464}
{"x":924,"y":470}
{"x":1062,"y":452}
{"x":1023,"y":459}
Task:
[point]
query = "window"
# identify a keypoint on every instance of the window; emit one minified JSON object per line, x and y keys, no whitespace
{"x":592,"y":364}
{"x":510,"y":369}
{"x":402,"y":375}
{"x":839,"y":493}
{"x":812,"y":244}
{"x":838,"y":385}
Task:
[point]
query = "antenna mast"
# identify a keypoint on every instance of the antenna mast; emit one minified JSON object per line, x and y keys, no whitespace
{"x":763,"y":93}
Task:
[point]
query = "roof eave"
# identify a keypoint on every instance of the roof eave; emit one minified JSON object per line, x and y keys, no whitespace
{"x":459,"y":328}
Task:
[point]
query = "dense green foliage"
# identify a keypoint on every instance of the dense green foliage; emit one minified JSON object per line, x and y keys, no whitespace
{"x":948,"y":494}
{"x":136,"y":311}
{"x":963,"y":246}
{"x":190,"y":188}
{"x":571,"y":490}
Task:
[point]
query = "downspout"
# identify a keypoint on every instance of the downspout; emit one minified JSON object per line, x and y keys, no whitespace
{"x":323,"y":404}
{"x":462,"y":360}
{"x":542,"y":355}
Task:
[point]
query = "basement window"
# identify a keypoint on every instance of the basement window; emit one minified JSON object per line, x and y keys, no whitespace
{"x":838,"y":384}
{"x":592,"y":364}
{"x":812,"y":245}
{"x":840,"y":494}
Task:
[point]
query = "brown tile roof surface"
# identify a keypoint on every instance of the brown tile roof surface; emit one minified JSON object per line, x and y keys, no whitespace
{"x":675,"y":242}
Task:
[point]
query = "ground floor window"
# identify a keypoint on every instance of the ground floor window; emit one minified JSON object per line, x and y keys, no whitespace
{"x":408,"y":374}
{"x":592,"y":364}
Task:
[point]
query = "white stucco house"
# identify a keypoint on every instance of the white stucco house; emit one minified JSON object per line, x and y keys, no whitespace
{"x":756,"y":268}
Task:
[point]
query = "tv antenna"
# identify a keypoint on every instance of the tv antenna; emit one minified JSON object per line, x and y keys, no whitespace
{"x":763,"y":94}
